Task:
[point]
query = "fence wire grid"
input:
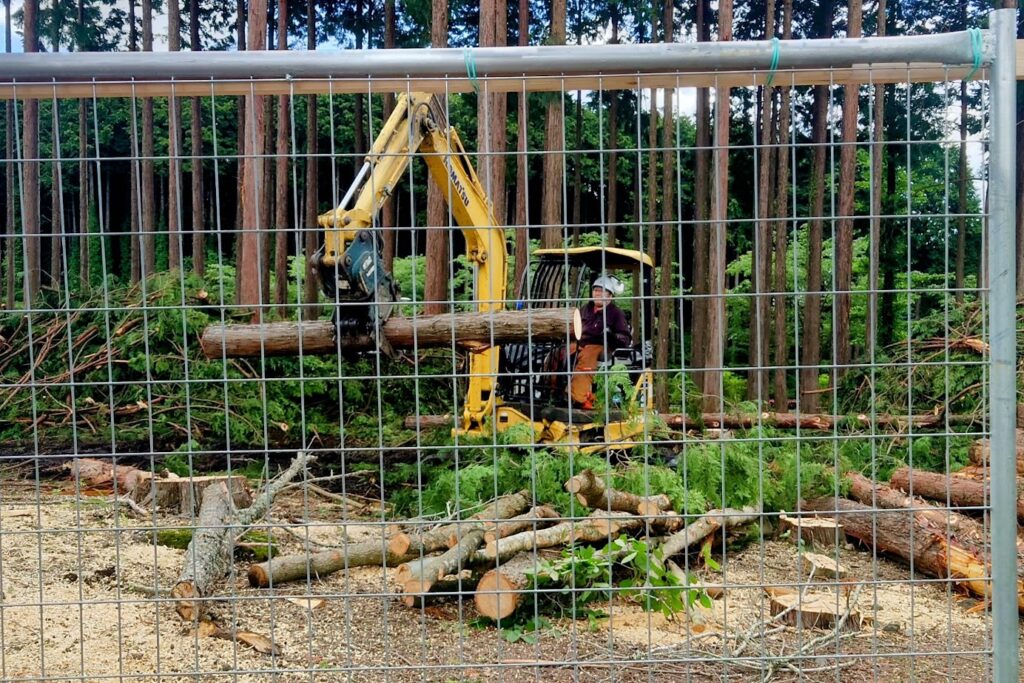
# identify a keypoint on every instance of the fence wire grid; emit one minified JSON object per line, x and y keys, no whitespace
{"x":224,"y":460}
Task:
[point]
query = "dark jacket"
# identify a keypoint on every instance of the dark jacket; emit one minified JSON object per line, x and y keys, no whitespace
{"x":606,"y":327}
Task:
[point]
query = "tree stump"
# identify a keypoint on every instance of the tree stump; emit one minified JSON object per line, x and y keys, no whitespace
{"x":500,"y":591}
{"x":813,"y":531}
{"x":814,"y":610}
{"x":182,"y":495}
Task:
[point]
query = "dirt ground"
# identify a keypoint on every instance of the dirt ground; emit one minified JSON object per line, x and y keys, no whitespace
{"x":76,"y":576}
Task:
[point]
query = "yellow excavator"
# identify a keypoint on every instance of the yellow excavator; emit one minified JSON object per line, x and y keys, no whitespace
{"x":509,"y":385}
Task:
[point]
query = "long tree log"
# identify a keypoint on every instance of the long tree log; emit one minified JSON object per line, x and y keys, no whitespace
{"x":321,"y":336}
{"x":816,"y":421}
{"x":284,"y":568}
{"x":592,"y":492}
{"x":865,"y":491}
{"x":209,"y":555}
{"x":538,"y":517}
{"x":403,"y":543}
{"x":961,"y":492}
{"x":980,"y":454}
{"x":913,"y":536}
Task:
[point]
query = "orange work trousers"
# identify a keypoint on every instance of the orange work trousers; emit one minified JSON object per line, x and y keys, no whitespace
{"x":583,"y":374}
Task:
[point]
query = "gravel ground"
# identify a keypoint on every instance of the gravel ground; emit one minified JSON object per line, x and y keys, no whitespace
{"x":75,"y":606}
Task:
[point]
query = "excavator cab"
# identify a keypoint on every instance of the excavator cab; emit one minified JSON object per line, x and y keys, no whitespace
{"x":533,"y":377}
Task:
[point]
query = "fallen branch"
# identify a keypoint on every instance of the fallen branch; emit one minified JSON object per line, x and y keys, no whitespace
{"x":601,"y":525}
{"x":820,"y":422}
{"x":209,"y":556}
{"x":313,"y":566}
{"x":539,"y":517}
{"x":419,"y":576}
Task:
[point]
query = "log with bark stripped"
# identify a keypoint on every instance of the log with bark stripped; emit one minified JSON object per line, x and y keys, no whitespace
{"x":426,"y":542}
{"x":321,"y":336}
{"x":914,"y":536}
{"x":961,"y":492}
{"x":592,"y":492}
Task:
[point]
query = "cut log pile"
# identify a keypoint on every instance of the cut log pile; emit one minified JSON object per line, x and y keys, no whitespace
{"x":926,"y":518}
{"x":495,"y":552}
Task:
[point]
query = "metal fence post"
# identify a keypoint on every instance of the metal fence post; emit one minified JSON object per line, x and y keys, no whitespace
{"x":1003,"y":321}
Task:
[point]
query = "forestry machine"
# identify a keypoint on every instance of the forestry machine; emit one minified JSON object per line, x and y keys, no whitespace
{"x":352,"y":275}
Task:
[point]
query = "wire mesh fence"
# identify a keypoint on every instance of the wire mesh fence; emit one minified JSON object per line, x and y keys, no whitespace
{"x":509,"y":371}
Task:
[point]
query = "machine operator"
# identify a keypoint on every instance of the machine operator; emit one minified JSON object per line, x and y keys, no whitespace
{"x":604,"y":330}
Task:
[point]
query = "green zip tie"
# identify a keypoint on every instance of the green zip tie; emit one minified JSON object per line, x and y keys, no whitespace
{"x":977,"y":51}
{"x":775,"y":62}
{"x":467,"y":55}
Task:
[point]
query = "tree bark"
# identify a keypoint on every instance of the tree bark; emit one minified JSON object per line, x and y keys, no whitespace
{"x":552,"y":216}
{"x":877,"y":161}
{"x":419,"y":575}
{"x":701,"y":238}
{"x":438,"y":538}
{"x":781,"y":211}
{"x":937,"y":486}
{"x":612,"y":212}
{"x":522,"y":218}
{"x":438,"y":260}
{"x":843,"y":258}
{"x":500,"y":591}
{"x":914,"y":537}
{"x":961,"y":221}
{"x":30,"y":155}
{"x":135,"y":227}
{"x":311,"y":240}
{"x":715,"y":320}
{"x":757,"y":375}
{"x":281,"y":178}
{"x":57,"y":228}
{"x":198,"y":229}
{"x":816,"y":421}
{"x":148,"y":191}
{"x":254,"y":222}
{"x":387,"y":214}
{"x":320,"y":337}
{"x":591,"y":492}
{"x":9,"y":226}
{"x":174,"y":141}
{"x":666,"y":302}
{"x":810,"y":355}
{"x":534,"y":518}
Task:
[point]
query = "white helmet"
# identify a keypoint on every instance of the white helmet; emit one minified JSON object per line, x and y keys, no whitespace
{"x":610,"y":284}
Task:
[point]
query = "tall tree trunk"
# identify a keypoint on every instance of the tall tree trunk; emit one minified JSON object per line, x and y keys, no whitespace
{"x":387,"y":218}
{"x":281,"y":177}
{"x":716,"y":324}
{"x":485,"y":158}
{"x":148,"y":194}
{"x":135,"y":220}
{"x":961,"y":223}
{"x":198,"y":229}
{"x":174,"y":150}
{"x":810,"y":353}
{"x":57,"y":228}
{"x":240,"y":42}
{"x":311,"y":236}
{"x":781,"y":202}
{"x":577,"y":173}
{"x":9,"y":173}
{"x":877,"y":161}
{"x":757,"y":376}
{"x":701,"y":241}
{"x":666,"y":303}
{"x":499,"y":123}
{"x":887,"y":256}
{"x":522,"y":214}
{"x":844,"y":231}
{"x":652,"y":178}
{"x":30,"y":154}
{"x":360,"y":113}
{"x":438,"y":260}
{"x":84,"y":184}
{"x":554,"y":161}
{"x":254,"y":222}
{"x":267,"y":186}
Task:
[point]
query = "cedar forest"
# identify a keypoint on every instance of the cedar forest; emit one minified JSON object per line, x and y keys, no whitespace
{"x":101,"y":362}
